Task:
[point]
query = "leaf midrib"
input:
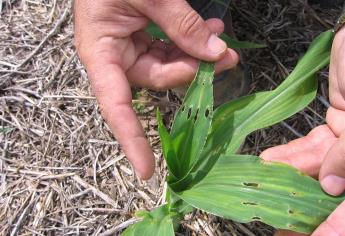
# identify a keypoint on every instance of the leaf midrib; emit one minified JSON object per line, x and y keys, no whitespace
{"x":303,"y":78}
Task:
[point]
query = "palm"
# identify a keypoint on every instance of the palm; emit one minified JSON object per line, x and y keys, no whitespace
{"x":308,"y":153}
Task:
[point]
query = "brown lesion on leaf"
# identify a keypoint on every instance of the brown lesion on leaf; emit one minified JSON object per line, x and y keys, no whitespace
{"x":251,"y":184}
{"x":189,"y":113}
{"x":250,"y":203}
{"x":291,"y":226}
{"x":207,"y":112}
{"x":196,"y":115}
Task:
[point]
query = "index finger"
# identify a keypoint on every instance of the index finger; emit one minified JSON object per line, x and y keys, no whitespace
{"x":113,"y":94}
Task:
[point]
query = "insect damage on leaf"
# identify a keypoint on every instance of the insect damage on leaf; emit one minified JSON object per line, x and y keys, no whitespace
{"x":255,"y":185}
{"x":200,"y":154}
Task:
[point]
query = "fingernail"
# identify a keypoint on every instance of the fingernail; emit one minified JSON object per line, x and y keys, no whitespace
{"x":216,"y":45}
{"x":333,"y":185}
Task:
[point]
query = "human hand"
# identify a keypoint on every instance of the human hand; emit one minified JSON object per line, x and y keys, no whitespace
{"x":322,"y":152}
{"x":117,"y":53}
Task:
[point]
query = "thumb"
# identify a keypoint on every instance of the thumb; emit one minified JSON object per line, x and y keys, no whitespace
{"x":185,"y":27}
{"x":332,"y":173}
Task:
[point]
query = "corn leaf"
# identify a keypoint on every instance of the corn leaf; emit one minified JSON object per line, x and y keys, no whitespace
{"x":244,"y":189}
{"x":233,"y":121}
{"x":157,"y":222}
{"x":168,"y":148}
{"x":5,"y":130}
{"x":192,"y":121}
{"x":156,"y":32}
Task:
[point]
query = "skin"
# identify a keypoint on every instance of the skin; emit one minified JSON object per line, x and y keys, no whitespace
{"x":117,"y":54}
{"x":321,"y":153}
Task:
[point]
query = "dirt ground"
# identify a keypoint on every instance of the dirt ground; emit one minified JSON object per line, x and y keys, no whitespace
{"x":62,"y":172}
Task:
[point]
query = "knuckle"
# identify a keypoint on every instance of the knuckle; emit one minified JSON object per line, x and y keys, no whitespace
{"x":189,"y":24}
{"x":149,"y":4}
{"x":98,"y":87}
{"x":154,"y":2}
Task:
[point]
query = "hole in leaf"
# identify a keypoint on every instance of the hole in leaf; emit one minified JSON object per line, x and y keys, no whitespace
{"x":294,"y":194}
{"x":254,"y":185}
{"x":256,"y":218}
{"x":290,"y":226}
{"x":290,"y":211}
{"x":189,"y":113}
{"x":183,"y":108}
{"x":196,"y":115}
{"x":207,"y":113}
{"x":250,"y":203}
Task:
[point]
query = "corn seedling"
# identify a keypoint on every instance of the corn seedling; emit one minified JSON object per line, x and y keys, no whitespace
{"x":206,"y":173}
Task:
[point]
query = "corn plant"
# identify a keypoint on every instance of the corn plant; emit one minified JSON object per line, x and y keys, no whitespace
{"x":206,"y":173}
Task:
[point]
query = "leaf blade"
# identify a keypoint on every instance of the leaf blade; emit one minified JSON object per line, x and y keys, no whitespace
{"x":168,"y":148}
{"x":233,"y":121}
{"x":157,"y":222}
{"x":193,"y":119}
{"x":244,"y":189}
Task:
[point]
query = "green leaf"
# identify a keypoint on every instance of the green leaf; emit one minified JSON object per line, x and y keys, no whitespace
{"x":168,"y":148}
{"x":5,"y":130}
{"x":157,"y":33}
{"x":192,"y":121}
{"x":177,"y":205}
{"x":244,"y":189}
{"x":234,"y":43}
{"x":245,"y":115}
{"x":233,"y":121}
{"x":157,"y":222}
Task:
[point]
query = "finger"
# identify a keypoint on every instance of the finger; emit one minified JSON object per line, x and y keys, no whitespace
{"x":113,"y":93}
{"x":185,"y":27}
{"x":309,"y":142}
{"x":141,"y":44}
{"x":334,"y":225}
{"x":287,"y":233}
{"x":175,"y":52}
{"x":158,"y":75}
{"x":335,"y":120}
{"x":337,"y":71}
{"x":305,"y":154}
{"x":332,"y":173}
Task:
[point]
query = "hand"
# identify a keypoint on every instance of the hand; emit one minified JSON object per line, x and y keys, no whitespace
{"x":322,"y":152}
{"x":117,"y":53}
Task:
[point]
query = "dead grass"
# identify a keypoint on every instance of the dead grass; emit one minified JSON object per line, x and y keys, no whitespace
{"x":62,"y":172}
